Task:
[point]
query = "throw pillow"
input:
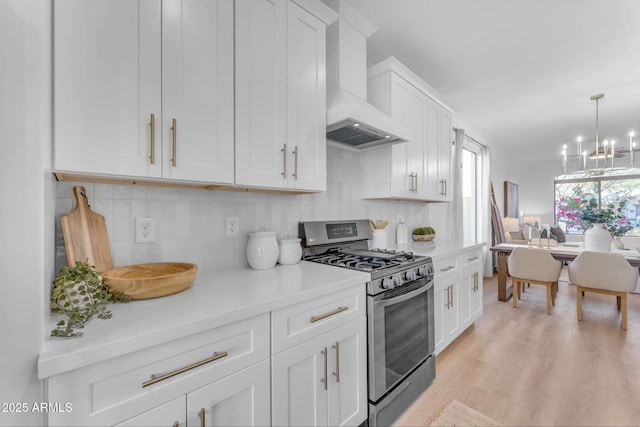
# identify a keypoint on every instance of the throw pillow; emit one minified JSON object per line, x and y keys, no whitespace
{"x":516,"y":235}
{"x":559,"y":234}
{"x":535,"y":232}
{"x":543,"y":235}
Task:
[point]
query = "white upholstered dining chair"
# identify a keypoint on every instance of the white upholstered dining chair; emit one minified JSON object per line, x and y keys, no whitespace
{"x":534,"y":266}
{"x":603,"y":273}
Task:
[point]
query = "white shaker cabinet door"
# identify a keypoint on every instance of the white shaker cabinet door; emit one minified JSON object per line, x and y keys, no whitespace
{"x":298,"y":384}
{"x":261,"y":93}
{"x":197,"y":90}
{"x":171,"y":414}
{"x":347,"y":367}
{"x":307,"y":106}
{"x":241,"y":399}
{"x":107,"y":86}
{"x":445,"y":154}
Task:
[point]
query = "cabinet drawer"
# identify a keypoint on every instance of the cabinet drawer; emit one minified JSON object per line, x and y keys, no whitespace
{"x":471,"y":258}
{"x":445,"y":266}
{"x":117,"y":389}
{"x":297,"y":323}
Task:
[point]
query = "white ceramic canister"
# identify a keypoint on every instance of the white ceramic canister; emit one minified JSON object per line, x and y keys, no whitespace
{"x":290,"y":251}
{"x":379,"y":239}
{"x":262,"y":249}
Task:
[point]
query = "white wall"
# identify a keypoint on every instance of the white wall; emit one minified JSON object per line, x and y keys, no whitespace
{"x":534,"y":179}
{"x":26,"y":206}
{"x":190,"y":223}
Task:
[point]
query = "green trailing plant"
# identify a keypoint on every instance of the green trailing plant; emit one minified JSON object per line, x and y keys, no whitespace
{"x":79,"y":293}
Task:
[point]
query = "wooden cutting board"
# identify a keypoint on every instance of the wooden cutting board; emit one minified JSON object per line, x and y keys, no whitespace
{"x":85,"y":234}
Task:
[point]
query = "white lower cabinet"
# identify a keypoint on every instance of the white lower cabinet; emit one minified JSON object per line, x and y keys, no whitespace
{"x":241,"y":399}
{"x":170,"y":414}
{"x":457,"y":295}
{"x":322,"y":382}
{"x":223,"y":371}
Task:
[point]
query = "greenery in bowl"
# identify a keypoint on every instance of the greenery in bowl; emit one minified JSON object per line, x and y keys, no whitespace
{"x":79,"y":293}
{"x":423,"y":231}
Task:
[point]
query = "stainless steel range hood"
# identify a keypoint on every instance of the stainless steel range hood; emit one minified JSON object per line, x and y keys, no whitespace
{"x":351,"y":120}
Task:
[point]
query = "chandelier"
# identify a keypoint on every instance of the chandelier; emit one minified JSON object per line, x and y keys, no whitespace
{"x":604,"y":151}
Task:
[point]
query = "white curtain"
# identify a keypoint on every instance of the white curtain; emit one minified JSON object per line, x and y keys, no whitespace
{"x":485,"y":210}
{"x":455,"y":219}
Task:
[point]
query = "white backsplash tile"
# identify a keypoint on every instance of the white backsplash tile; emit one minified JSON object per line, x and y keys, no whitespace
{"x":190,"y":224}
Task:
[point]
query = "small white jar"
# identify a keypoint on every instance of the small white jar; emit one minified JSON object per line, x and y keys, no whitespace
{"x":262,"y":249}
{"x":290,"y":251}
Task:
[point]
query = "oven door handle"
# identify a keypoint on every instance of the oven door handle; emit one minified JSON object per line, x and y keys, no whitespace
{"x":403,"y":297}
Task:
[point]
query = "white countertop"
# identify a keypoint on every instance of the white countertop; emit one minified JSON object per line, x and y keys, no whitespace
{"x":437,"y":249}
{"x":213,"y":300}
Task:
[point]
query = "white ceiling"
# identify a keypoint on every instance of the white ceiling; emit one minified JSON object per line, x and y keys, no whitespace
{"x":521,"y":72}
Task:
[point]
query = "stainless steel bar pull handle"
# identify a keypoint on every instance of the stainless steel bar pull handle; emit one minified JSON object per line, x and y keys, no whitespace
{"x":450,"y":267}
{"x":326,"y":368}
{"x":475,"y":282}
{"x":314,"y":319}
{"x":448,"y":298}
{"x":284,"y":157}
{"x":203,"y":423}
{"x":152,"y":124}
{"x":337,"y":372}
{"x":295,"y":163}
{"x":157,"y":378}
{"x":174,"y":134}
{"x":415,"y":176}
{"x":473,"y":259}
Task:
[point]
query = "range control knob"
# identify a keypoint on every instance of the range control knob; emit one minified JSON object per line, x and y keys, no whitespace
{"x":410,"y":275}
{"x":422,"y":271}
{"x":388,"y":283}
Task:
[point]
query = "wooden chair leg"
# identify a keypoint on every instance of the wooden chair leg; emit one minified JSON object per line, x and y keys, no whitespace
{"x":516,"y":292}
{"x":618,"y":301}
{"x":549,"y":298}
{"x":553,"y":293}
{"x":579,"y":295}
{"x":624,"y":311}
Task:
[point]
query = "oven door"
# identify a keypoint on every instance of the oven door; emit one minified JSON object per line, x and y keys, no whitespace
{"x":400,"y":332}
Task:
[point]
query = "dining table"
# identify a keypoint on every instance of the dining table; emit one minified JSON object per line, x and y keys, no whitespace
{"x":565,"y":252}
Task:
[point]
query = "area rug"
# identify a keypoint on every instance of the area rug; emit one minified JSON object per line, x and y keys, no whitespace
{"x":459,"y":414}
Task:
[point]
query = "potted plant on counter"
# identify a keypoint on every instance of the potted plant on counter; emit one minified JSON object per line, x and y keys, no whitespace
{"x":423,"y":234}
{"x":79,"y":293}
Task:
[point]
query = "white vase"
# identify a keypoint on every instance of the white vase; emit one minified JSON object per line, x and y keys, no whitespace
{"x":597,"y":238}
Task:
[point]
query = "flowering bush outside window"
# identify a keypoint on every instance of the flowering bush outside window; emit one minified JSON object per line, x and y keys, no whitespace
{"x":580,"y":211}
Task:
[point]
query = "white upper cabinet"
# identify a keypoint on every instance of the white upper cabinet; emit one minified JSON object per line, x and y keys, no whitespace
{"x":107,"y":75}
{"x":127,"y":71}
{"x":420,"y":168}
{"x":280,"y":96}
{"x":197,"y":90}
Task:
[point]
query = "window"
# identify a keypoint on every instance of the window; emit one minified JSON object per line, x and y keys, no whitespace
{"x":620,"y":190}
{"x":469,"y":194}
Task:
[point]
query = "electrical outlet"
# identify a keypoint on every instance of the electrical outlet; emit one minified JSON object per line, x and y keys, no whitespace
{"x":145,"y":230}
{"x":232,"y":226}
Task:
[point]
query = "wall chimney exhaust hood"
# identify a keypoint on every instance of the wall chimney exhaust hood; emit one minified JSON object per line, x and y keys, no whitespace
{"x":351,"y":120}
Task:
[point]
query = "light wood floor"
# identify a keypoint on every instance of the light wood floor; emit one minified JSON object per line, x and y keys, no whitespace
{"x":523,"y":367}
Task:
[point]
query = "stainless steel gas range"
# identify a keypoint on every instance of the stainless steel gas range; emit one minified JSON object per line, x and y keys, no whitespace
{"x":400,"y":329}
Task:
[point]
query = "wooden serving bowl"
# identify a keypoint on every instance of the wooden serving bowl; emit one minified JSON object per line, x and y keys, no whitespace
{"x":423,"y":237}
{"x":142,"y":281}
